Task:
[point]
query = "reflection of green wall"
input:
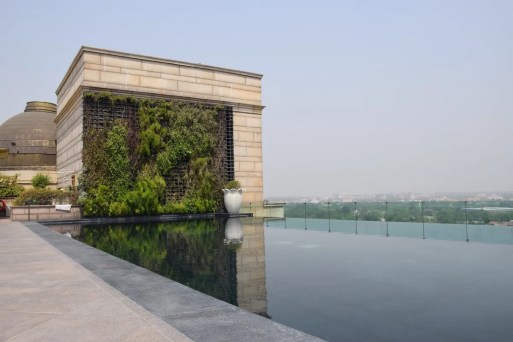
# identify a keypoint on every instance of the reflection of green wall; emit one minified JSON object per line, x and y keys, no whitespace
{"x":189,"y":252}
{"x":193,"y":253}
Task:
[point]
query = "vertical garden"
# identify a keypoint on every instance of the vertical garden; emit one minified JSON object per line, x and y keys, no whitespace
{"x":144,"y":156}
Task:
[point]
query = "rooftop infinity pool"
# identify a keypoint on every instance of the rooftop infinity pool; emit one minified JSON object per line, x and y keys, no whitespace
{"x":350,"y":287}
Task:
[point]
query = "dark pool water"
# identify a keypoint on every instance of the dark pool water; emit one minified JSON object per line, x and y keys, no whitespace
{"x":340,"y":287}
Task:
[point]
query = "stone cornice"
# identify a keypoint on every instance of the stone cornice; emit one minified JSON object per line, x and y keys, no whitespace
{"x":84,"y":49}
{"x":71,"y":102}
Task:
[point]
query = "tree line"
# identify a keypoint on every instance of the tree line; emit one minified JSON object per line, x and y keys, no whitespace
{"x":429,"y":211}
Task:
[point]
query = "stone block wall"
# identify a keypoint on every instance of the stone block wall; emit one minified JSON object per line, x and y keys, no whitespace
{"x":43,"y":213}
{"x":69,"y":143}
{"x":247,"y":140}
{"x":25,"y":176}
{"x":142,"y":76}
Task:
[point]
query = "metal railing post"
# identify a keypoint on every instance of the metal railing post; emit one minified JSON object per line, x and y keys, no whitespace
{"x":466,"y":222}
{"x":329,"y":218}
{"x":355,"y":218}
{"x":305,"y":215}
{"x":386,"y":215}
{"x":422,"y":213}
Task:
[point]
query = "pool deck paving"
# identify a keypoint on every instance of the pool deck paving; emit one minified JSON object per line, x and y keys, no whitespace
{"x":54,"y":288}
{"x":46,"y":296}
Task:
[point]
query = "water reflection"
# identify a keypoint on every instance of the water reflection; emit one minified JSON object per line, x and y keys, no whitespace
{"x":222,"y":258}
{"x":436,"y":231}
{"x":251,"y":280}
{"x":72,"y":230}
{"x":233,"y":231}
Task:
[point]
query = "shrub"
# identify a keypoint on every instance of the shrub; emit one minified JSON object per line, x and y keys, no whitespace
{"x":38,"y":196}
{"x":233,"y":184}
{"x":147,"y":196}
{"x":40,"y":181}
{"x":8,"y":186}
{"x":97,"y":201}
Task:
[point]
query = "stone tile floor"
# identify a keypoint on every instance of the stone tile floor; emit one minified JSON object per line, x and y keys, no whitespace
{"x":46,"y":296}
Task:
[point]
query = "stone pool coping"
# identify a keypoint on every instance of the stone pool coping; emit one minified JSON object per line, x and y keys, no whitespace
{"x":196,"y":315}
{"x":141,"y":218}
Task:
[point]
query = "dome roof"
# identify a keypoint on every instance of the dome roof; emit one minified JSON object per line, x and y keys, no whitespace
{"x":31,"y":132}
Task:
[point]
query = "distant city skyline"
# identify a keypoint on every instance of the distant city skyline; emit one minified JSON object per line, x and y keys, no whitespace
{"x":361,"y":97}
{"x":406,"y":196}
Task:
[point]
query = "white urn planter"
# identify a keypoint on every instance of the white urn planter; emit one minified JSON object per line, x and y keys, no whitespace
{"x":232,"y":200}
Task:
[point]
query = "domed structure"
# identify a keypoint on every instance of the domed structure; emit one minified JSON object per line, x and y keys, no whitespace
{"x":28,"y":142}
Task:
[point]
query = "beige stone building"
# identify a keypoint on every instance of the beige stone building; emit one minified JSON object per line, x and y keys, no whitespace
{"x":98,"y":70}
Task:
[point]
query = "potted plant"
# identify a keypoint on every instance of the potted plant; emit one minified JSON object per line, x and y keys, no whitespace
{"x":232,"y":197}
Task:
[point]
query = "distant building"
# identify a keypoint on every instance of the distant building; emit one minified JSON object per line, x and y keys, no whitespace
{"x":28,"y":143}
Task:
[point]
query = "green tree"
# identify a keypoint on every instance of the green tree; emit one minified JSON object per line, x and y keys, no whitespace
{"x":9,"y":187}
{"x":486,"y":217}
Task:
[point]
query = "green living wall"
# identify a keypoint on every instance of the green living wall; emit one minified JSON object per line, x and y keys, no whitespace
{"x":144,"y":157}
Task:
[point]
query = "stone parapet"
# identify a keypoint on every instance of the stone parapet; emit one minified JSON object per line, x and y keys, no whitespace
{"x":259,"y":209}
{"x":43,"y":213}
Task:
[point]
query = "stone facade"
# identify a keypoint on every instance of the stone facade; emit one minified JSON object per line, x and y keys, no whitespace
{"x":43,"y":213}
{"x":121,"y":73}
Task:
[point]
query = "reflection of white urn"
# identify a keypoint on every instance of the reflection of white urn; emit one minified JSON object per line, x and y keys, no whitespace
{"x":232,"y":200}
{"x":233,"y":231}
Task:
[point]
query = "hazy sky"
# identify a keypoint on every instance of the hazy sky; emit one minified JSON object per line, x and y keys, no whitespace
{"x":361,"y":96}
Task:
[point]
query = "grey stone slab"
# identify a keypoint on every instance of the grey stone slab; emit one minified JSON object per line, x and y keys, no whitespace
{"x":171,"y":299}
{"x":127,"y":277}
{"x":52,"y":300}
{"x":26,"y":278}
{"x":150,"y":335}
{"x":158,"y":324}
{"x":90,"y":328}
{"x":105,"y":306}
{"x":47,"y":296}
{"x":14,"y":323}
{"x":229,"y":323}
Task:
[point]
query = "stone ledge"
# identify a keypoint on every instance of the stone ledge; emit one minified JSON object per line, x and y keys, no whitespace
{"x":43,"y":213}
